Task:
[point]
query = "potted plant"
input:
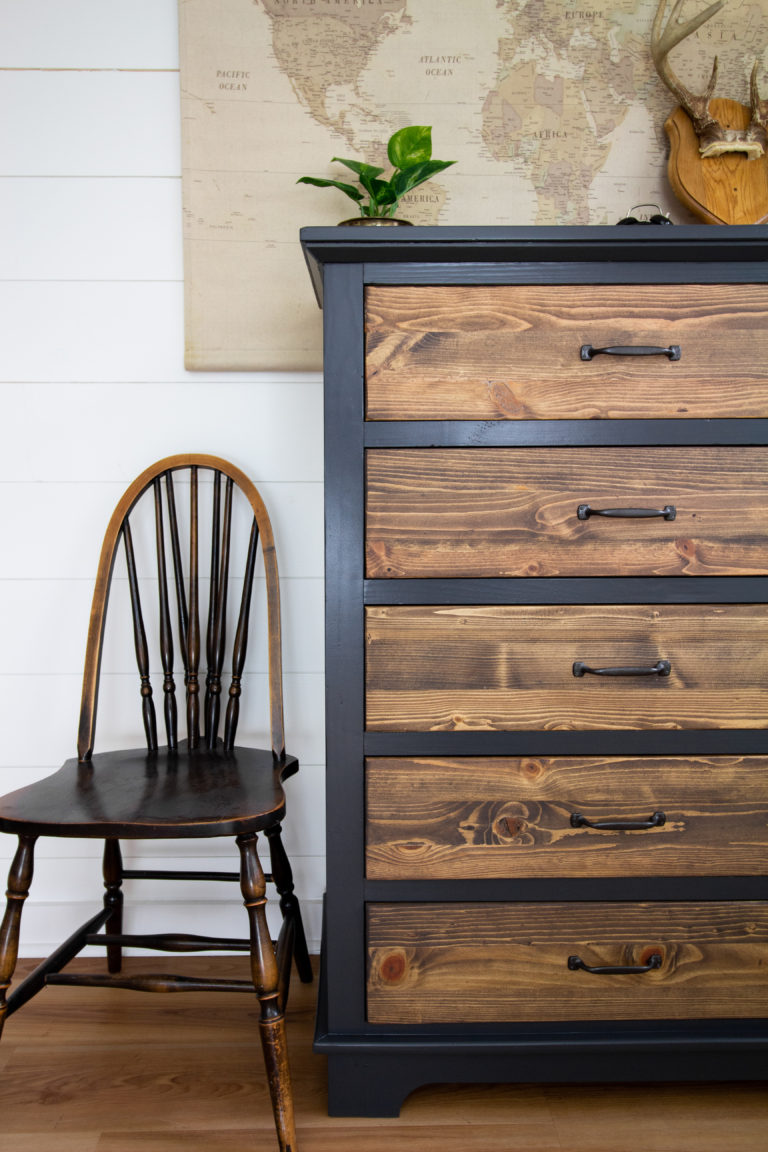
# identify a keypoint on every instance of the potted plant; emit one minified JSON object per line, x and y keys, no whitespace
{"x":410,"y":154}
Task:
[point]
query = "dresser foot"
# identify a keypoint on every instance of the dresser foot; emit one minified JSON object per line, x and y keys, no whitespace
{"x":373,"y":1087}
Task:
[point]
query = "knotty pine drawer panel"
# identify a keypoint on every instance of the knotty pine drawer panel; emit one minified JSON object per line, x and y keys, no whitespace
{"x":498,"y":817}
{"x":463,"y":512}
{"x":514,"y":352}
{"x":489,"y":667}
{"x":448,"y":963}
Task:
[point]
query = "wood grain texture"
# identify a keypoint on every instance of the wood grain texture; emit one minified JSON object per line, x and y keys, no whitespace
{"x":447,"y":668}
{"x":497,"y":817}
{"x":729,"y":189}
{"x":507,"y":962}
{"x":512,"y":352}
{"x":71,"y":1073}
{"x":513,"y":512}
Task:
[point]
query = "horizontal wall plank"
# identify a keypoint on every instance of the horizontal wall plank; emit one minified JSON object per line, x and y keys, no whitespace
{"x":64,"y":331}
{"x":106,"y":332}
{"x":271,"y":427}
{"x":30,"y":742}
{"x":89,"y":34}
{"x":105,"y":124}
{"x":51,"y":616}
{"x":63,"y":525}
{"x":91,"y":228}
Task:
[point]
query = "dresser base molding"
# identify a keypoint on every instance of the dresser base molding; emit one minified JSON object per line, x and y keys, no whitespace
{"x":374,"y":1079}
{"x":372,"y":1076}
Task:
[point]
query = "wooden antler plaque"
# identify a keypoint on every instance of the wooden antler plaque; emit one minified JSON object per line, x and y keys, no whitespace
{"x":727,"y":189}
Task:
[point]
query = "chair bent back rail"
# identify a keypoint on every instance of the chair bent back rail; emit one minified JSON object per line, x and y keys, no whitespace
{"x":159,"y":477}
{"x":205,"y":784}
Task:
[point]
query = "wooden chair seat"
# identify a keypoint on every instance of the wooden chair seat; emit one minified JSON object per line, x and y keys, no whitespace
{"x":133,"y":794}
{"x":200,"y":785}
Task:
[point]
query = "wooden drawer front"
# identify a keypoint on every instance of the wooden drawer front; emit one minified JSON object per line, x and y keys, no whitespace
{"x":513,"y":352}
{"x":487,"y":667}
{"x":459,"y":512}
{"x":446,"y":963}
{"x":512,"y":817}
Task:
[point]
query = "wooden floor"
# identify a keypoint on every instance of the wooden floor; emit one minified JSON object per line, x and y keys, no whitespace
{"x":108,"y":1071}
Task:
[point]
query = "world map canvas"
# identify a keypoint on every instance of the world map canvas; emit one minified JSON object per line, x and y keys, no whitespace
{"x":551,"y":108}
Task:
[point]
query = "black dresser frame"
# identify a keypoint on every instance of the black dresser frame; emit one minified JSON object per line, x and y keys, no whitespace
{"x":372,"y":1068}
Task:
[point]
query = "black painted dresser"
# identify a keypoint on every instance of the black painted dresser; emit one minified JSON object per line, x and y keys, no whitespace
{"x":547,"y":669}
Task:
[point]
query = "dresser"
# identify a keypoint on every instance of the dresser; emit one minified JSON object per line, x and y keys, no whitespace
{"x":547,"y":659}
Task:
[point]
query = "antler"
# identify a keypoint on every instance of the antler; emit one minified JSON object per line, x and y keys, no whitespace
{"x":757,"y":132}
{"x":708,"y":130}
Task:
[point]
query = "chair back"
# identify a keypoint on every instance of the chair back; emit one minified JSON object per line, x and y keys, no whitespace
{"x":185,"y":554}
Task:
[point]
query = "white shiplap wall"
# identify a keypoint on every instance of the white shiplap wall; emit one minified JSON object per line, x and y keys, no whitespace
{"x":92,"y":389}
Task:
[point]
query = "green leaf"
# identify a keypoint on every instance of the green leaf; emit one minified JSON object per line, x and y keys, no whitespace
{"x":380,"y":191}
{"x":409,"y":178}
{"x":410,"y":146}
{"x":358,"y":167}
{"x":348,"y":189}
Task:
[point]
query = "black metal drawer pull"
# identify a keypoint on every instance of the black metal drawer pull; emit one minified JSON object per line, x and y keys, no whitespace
{"x":575,"y":963}
{"x":656,"y":821}
{"x":668,"y":512}
{"x":660,"y":668}
{"x":588,"y":351}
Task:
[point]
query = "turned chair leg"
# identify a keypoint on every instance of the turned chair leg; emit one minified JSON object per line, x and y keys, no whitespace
{"x":113,"y":899}
{"x":289,"y":905}
{"x":19,"y":880}
{"x":264,"y":974}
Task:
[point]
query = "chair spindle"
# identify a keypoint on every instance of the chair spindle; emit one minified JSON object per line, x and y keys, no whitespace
{"x":241,"y":642}
{"x":218,"y":633}
{"x":140,"y":643}
{"x":213,"y":596}
{"x":193,"y":637}
{"x":178,"y":571}
{"x":166,"y":634}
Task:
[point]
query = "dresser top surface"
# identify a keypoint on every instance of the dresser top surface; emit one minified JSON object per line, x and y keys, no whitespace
{"x":444,"y":246}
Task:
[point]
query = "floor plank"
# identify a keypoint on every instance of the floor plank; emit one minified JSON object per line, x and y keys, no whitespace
{"x":107,"y":1071}
{"x":49,"y":1142}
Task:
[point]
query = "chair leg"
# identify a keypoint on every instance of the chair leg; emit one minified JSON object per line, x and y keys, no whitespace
{"x":264,"y":974}
{"x":19,"y":880}
{"x":113,"y":898}
{"x":289,"y":904}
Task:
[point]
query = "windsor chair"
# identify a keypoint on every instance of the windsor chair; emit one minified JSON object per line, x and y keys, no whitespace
{"x":202,"y":786}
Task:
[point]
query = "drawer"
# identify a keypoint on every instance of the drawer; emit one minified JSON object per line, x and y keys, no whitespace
{"x":447,"y":963}
{"x":463,"y":512}
{"x":514,"y":352}
{"x":499,"y":817}
{"x":490,"y":668}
